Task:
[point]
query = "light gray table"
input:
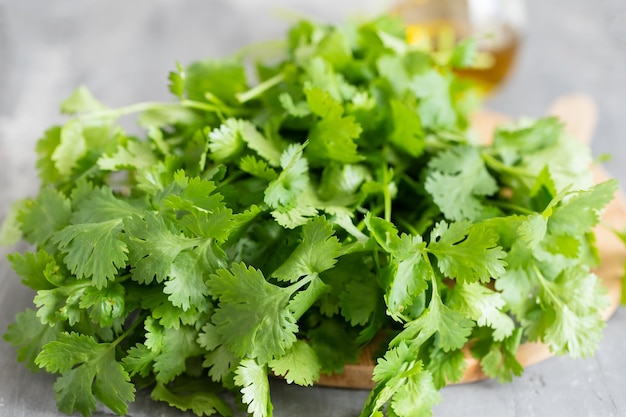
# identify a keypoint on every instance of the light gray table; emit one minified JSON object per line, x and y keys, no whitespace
{"x":123,"y":50}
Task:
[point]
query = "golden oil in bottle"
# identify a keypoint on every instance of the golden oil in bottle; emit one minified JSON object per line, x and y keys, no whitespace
{"x":437,"y":25}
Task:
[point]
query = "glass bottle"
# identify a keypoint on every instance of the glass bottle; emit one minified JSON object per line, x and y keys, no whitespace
{"x":497,"y":25}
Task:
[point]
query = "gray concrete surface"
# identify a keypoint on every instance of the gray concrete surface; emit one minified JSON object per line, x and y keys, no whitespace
{"x":123,"y":50}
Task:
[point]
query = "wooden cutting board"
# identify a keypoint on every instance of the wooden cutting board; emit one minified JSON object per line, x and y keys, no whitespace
{"x":579,"y":114}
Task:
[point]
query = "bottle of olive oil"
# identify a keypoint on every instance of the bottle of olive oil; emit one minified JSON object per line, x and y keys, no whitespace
{"x":496,"y":25}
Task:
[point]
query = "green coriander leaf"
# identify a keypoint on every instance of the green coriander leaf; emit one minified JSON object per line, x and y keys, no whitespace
{"x":186,"y":284}
{"x":359,"y":300}
{"x":416,"y":397}
{"x":498,"y":360}
{"x":221,"y":363}
{"x":209,"y":338}
{"x":467,"y":252}
{"x":320,"y":74}
{"x":45,"y":215}
{"x":252,"y":378}
{"x":581,"y":212}
{"x":543,"y":190}
{"x":340,"y":183}
{"x":170,"y":316}
{"x":407,"y":134}
{"x":516,"y":287}
{"x":527,"y":135}
{"x":139,"y":360}
{"x":257,"y":168}
{"x":267,"y":149}
{"x":572,"y":334}
{"x":152,"y":247}
{"x":132,"y":155}
{"x":226,"y":142}
{"x":402,"y":381}
{"x":192,"y":395}
{"x":436,"y":107}
{"x":446,"y":367}
{"x":299,"y":109}
{"x":81,"y":101}
{"x":154,"y":335}
{"x":252,"y":316}
{"x":105,"y":305}
{"x":32,"y":268}
{"x":291,"y":181}
{"x":335,"y":344}
{"x":484,"y":306}
{"x":452,"y":326}
{"x":567,"y":246}
{"x":457,"y":181}
{"x":177,"y":81}
{"x":335,"y":48}
{"x":10,"y":232}
{"x":174,"y":347}
{"x":49,"y":304}
{"x":92,"y":243}
{"x":574,"y":323}
{"x":74,"y":393}
{"x":46,"y":146}
{"x":199,"y":209}
{"x":100,"y":204}
{"x":322,"y":103}
{"x":292,"y":217}
{"x":201,"y":193}
{"x":316,"y":253}
{"x":395,"y":361}
{"x":384,"y":232}
{"x":304,"y":299}
{"x":88,"y":371}
{"x":93,"y":250}
{"x":299,"y":364}
{"x":221,"y":78}
{"x":392,"y":41}
{"x":533,"y":230}
{"x":392,"y":69}
{"x":332,"y":139}
{"x":29,"y":335}
{"x":409,"y":274}
{"x":71,"y":148}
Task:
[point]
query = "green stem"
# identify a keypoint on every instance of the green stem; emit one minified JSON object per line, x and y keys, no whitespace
{"x":513,"y":207}
{"x":545,"y":284}
{"x":496,"y":165}
{"x":348,"y":248}
{"x":212,"y":108}
{"x":122,"y":111}
{"x":296,"y":286}
{"x":130,"y":329}
{"x":155,"y":105}
{"x":386,"y":194}
{"x":260,"y":89}
{"x":433,"y":276}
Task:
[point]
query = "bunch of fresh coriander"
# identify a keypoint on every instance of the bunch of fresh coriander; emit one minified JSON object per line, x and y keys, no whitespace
{"x":278,"y":229}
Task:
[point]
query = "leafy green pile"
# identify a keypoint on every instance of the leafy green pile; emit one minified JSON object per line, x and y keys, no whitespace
{"x":279,"y":228}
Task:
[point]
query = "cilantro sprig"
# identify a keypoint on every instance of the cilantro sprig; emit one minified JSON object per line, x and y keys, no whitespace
{"x":277,"y":228}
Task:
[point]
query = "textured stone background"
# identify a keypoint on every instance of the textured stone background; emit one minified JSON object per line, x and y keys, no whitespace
{"x":123,"y":50}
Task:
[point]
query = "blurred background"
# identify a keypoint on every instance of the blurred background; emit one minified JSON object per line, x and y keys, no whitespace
{"x":123,"y":51}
